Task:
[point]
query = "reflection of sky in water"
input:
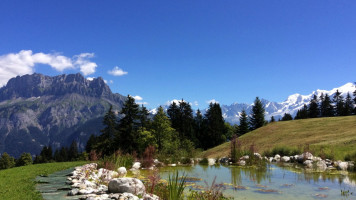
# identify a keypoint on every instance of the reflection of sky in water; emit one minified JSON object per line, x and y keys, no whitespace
{"x":271,"y":183}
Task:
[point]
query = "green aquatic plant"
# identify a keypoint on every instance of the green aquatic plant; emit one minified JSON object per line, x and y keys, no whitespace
{"x":176,"y":186}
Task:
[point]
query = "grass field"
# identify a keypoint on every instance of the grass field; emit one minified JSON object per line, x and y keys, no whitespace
{"x":336,"y":136}
{"x":19,"y":182}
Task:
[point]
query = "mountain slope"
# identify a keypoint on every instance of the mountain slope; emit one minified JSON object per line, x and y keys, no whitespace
{"x":336,"y":134}
{"x":38,"y":110}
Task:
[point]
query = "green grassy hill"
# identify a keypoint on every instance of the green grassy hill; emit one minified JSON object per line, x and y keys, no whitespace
{"x":336,"y":136}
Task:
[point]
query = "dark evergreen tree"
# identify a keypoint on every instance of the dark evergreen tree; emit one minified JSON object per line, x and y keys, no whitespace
{"x":339,"y":103}
{"x":326,"y":108}
{"x":128,"y":126}
{"x":287,"y":117}
{"x":272,"y":119}
{"x":182,"y":119}
{"x":243,"y":127}
{"x":91,"y":143}
{"x":199,"y":128}
{"x":144,"y":120}
{"x":73,"y":151}
{"x":46,"y":155}
{"x":105,"y":143}
{"x":313,"y":109}
{"x":257,"y":118}
{"x":63,"y":154}
{"x":302,"y":113}
{"x":348,"y":108}
{"x":215,"y":126}
{"x":161,"y":128}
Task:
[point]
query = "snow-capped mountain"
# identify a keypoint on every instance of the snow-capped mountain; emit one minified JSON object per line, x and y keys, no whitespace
{"x":291,"y":105}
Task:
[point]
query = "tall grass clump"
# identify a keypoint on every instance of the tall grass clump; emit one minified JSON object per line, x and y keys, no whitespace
{"x":116,"y":160}
{"x":236,"y":151}
{"x":176,"y":186}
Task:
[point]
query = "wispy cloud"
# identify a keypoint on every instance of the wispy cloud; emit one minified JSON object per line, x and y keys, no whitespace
{"x":195,"y":103}
{"x":117,"y":72}
{"x":23,"y":62}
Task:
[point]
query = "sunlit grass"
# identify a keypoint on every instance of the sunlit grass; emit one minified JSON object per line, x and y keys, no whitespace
{"x":335,"y":136}
{"x":19,"y":182}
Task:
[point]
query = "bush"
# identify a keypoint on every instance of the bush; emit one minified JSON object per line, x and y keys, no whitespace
{"x":204,"y":161}
{"x":25,"y":159}
{"x":116,"y":160}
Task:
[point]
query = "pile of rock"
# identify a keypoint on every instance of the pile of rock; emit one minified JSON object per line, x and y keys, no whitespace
{"x":99,"y":184}
{"x":307,"y":159}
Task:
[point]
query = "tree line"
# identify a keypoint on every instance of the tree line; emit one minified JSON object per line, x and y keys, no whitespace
{"x":324,"y":106}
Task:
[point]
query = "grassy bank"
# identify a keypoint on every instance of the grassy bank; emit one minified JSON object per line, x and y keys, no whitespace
{"x":19,"y":182}
{"x":334,"y":136}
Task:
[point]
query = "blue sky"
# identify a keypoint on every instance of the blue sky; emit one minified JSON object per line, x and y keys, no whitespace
{"x":230,"y":51}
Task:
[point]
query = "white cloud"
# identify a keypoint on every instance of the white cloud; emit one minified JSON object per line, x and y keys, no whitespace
{"x":111,"y":81}
{"x":211,"y":101}
{"x":117,"y":72}
{"x":105,"y":81}
{"x":23,"y":62}
{"x":86,"y":67}
{"x":137,"y":98}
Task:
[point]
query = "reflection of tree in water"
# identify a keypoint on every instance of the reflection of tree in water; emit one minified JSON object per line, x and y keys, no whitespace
{"x":255,"y":174}
{"x":309,"y":175}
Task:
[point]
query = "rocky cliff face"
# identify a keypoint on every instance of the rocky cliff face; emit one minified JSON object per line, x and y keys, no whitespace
{"x":38,"y":110}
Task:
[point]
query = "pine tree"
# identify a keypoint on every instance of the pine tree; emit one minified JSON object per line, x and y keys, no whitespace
{"x":272,"y":119}
{"x":243,"y":127}
{"x":128,"y":126}
{"x":73,"y":151}
{"x":313,"y":109}
{"x":144,"y":120}
{"x":6,"y":161}
{"x":105,"y":143}
{"x":257,"y":118}
{"x":287,"y":117}
{"x":339,"y":103}
{"x":198,"y":128}
{"x":348,"y":108}
{"x":215,"y":126}
{"x":326,"y":108}
{"x":174,"y":115}
{"x":91,"y":143}
{"x":161,"y":128}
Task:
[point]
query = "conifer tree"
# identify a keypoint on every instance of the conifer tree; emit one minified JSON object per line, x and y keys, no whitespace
{"x":272,"y":119}
{"x":174,"y":114}
{"x":313,"y":109}
{"x":257,"y":118}
{"x":355,"y":99}
{"x":287,"y":117}
{"x":91,"y":143}
{"x":161,"y":128}
{"x":243,"y":127}
{"x":73,"y":151}
{"x":215,"y":126}
{"x":143,"y":115}
{"x":339,"y":103}
{"x":106,"y":140}
{"x":198,"y":128}
{"x":348,"y":108}
{"x":128,"y":126}
{"x":326,"y":108}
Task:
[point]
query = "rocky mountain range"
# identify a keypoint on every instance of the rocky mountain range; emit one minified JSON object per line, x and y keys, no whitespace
{"x":38,"y":110}
{"x":291,"y":105}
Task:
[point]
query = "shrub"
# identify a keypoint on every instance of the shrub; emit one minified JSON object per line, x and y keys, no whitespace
{"x":204,"y":161}
{"x":147,"y":160}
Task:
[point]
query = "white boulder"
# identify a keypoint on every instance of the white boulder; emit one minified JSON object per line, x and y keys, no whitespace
{"x":121,"y":171}
{"x":136,"y":166}
{"x":211,"y":161}
{"x":285,"y":159}
{"x":129,"y":185}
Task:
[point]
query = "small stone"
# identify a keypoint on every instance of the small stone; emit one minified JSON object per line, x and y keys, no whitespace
{"x":73,"y":192}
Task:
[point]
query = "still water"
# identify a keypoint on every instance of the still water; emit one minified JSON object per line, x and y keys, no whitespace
{"x":273,"y":182}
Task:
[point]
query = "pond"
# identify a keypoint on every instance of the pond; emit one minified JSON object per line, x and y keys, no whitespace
{"x":273,"y":182}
